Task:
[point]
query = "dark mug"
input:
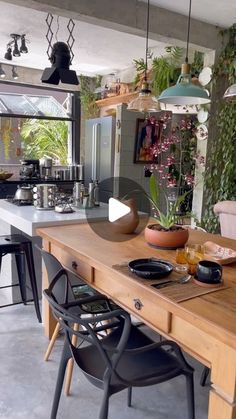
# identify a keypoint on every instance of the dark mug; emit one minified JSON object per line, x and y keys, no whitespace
{"x":209,"y":272}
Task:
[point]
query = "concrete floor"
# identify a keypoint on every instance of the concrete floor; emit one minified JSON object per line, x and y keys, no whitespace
{"x":27,"y":382}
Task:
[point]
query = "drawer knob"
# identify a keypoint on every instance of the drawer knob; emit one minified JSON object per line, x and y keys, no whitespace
{"x":74,"y":264}
{"x":138,"y":304}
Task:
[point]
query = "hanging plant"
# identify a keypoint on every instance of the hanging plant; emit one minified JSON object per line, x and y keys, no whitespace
{"x":220,"y":173}
{"x":88,"y":97}
{"x":164,"y":69}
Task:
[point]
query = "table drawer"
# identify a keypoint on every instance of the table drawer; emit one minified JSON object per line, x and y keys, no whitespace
{"x":72,"y":263}
{"x":142,"y":303}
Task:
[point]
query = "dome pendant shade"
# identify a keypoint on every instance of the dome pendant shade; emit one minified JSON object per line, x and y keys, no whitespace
{"x":230,"y":94}
{"x":145,"y":102}
{"x":184,"y":92}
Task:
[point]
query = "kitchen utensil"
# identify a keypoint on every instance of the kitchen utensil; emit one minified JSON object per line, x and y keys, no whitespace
{"x":24,"y":193}
{"x":150,"y":268}
{"x":44,"y":196}
{"x":183,"y":280}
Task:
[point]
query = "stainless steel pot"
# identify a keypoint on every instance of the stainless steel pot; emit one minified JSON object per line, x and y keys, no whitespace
{"x":24,"y":193}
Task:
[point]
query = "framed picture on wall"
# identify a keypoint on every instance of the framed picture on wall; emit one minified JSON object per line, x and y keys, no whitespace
{"x":146,"y":137}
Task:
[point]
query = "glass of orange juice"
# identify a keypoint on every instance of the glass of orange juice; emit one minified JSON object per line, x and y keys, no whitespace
{"x":193,"y":254}
{"x":180,"y":259}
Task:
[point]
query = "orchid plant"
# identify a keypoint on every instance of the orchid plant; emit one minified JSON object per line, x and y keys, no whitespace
{"x":174,"y":160}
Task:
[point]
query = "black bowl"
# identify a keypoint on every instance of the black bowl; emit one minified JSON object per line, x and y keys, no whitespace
{"x":150,"y":268}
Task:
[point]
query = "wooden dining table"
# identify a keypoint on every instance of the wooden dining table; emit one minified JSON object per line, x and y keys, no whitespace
{"x":201,"y":320}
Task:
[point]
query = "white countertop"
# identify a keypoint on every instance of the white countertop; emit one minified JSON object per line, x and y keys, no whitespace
{"x":28,"y":218}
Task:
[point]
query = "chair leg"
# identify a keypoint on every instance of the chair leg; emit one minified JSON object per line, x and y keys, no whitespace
{"x":52,"y":342}
{"x":105,"y":403}
{"x":129,"y":398}
{"x":70,"y":365}
{"x":204,"y":375}
{"x":190,"y":395}
{"x":30,"y":262}
{"x":65,"y":356}
{"x":20,"y":264}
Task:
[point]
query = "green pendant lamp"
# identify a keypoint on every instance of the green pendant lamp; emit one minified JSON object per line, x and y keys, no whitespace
{"x":145,"y":102}
{"x":185,"y":92}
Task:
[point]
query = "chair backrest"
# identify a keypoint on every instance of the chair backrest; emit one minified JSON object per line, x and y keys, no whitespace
{"x":62,"y":289}
{"x":226,"y":211}
{"x":95,"y":328}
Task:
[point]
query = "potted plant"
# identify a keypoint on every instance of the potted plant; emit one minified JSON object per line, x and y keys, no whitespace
{"x":172,"y":174}
{"x":166,"y":233}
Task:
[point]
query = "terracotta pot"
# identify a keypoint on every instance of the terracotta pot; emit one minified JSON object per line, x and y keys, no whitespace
{"x":170,"y":239}
{"x":128,"y":223}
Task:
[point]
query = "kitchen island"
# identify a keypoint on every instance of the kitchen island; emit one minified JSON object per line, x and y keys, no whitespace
{"x":25,"y":220}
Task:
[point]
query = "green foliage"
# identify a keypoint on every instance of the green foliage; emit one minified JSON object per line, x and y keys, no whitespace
{"x":45,"y":138}
{"x":164,"y":69}
{"x":220,"y":173}
{"x":88,"y":97}
{"x":197,"y":65}
{"x":170,"y":217}
{"x":226,"y":66}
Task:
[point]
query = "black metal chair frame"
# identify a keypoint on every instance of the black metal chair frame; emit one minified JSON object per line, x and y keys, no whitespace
{"x":21,"y":247}
{"x":124,"y":358}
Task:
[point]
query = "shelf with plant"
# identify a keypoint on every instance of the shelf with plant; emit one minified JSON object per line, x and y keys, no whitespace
{"x":220,"y":176}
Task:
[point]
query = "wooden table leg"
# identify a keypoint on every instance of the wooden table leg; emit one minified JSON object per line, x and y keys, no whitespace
{"x":222,"y":399}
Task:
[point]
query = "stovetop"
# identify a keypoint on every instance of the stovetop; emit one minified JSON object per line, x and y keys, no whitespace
{"x":19,"y":202}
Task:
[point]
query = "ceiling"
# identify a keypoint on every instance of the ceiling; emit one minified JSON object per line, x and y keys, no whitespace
{"x":97,"y":50}
{"x":217,"y":12}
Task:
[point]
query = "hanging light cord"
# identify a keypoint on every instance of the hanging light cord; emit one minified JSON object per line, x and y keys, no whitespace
{"x":147,"y":33}
{"x":189,"y":16}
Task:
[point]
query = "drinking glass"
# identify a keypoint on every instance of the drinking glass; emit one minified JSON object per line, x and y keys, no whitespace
{"x":193,"y":255}
{"x":180,"y":259}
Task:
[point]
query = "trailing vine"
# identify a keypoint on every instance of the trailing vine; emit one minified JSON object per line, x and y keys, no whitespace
{"x":88,"y":97}
{"x":220,"y":174}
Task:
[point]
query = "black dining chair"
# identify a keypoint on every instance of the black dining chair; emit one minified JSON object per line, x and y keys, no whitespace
{"x":122,"y":358}
{"x":63,"y":290}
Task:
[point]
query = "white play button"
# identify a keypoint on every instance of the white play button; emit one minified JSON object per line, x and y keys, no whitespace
{"x":117,"y":210}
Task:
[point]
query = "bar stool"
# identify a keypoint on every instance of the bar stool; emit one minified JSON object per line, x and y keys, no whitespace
{"x":21,"y":247}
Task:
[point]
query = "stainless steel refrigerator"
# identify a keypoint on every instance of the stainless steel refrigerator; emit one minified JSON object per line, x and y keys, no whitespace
{"x":99,"y":154}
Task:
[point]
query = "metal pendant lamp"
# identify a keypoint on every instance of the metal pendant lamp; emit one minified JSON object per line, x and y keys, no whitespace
{"x":145,"y":102}
{"x":185,"y":92}
{"x":230,"y":93}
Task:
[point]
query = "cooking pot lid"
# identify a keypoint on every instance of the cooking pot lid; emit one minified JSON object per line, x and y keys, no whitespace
{"x":150,"y":268}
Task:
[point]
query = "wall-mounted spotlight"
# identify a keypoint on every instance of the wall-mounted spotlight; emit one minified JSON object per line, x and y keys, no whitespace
{"x":2,"y":72}
{"x":8,"y":55}
{"x":15,"y":75}
{"x":16,"y":51}
{"x":23,"y":47}
{"x":12,"y":46}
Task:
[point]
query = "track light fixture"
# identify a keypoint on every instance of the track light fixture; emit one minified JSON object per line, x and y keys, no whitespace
{"x":2,"y":72}
{"x":15,"y":75}
{"x":13,"y":48}
{"x":23,"y":47}
{"x":8,"y":55}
